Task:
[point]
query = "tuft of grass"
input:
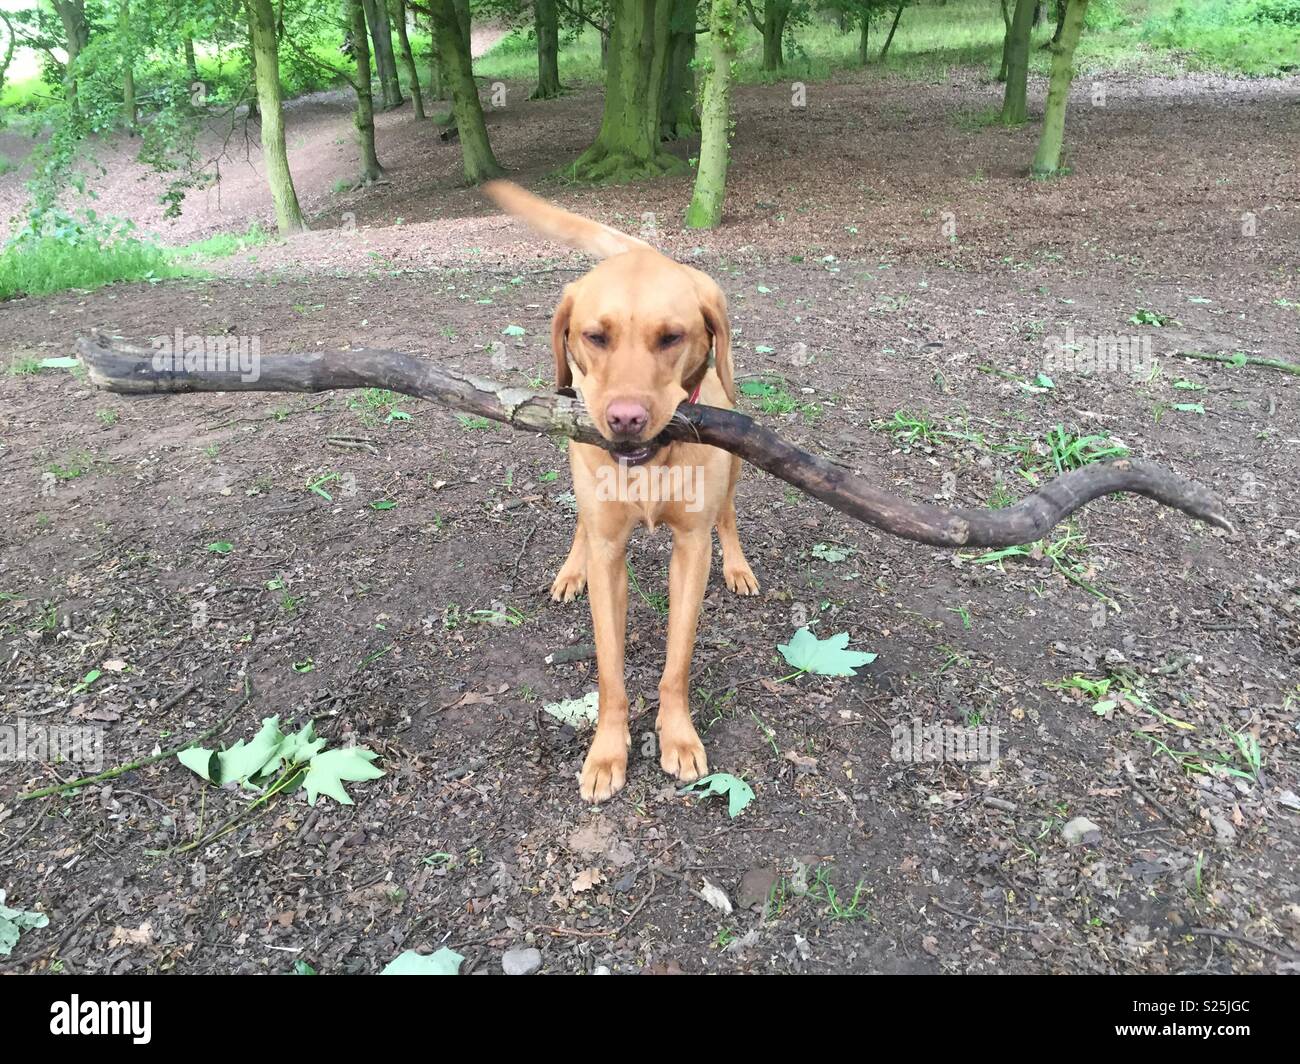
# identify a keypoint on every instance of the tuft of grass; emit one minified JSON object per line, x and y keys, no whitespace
{"x":38,"y":266}
{"x":222,"y":245}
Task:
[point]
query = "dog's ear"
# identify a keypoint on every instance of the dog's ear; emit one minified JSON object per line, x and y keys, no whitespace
{"x":559,"y":340}
{"x":713,"y":306}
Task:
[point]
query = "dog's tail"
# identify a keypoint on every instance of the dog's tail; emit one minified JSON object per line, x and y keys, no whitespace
{"x":571,"y":229}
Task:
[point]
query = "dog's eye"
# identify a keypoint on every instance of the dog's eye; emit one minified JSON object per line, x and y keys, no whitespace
{"x":595,"y":339}
{"x":670,"y":339}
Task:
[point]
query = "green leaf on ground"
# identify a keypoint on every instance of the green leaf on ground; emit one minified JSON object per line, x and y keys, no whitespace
{"x":825,"y":657}
{"x":13,"y":922}
{"x":576,"y":712}
{"x":444,"y":962}
{"x":327,"y":772}
{"x":739,"y":793}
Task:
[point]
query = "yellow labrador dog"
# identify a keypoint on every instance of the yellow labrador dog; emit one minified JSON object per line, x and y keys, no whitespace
{"x":634,"y":337}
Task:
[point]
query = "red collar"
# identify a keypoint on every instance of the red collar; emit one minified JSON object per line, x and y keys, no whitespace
{"x":695,"y":395}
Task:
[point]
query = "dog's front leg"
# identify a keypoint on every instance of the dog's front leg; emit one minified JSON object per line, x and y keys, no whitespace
{"x":605,"y":770}
{"x":681,"y":753}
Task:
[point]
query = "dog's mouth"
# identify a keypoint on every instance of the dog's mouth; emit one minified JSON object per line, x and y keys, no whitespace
{"x":637,"y":455}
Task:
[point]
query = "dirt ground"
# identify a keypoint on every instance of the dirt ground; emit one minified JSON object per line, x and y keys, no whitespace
{"x":850,"y":296}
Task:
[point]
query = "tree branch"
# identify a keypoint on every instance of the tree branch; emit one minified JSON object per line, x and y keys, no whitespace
{"x":118,"y":366}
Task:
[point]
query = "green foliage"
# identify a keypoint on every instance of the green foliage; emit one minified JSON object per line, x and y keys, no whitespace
{"x":13,"y":922}
{"x":1259,"y":37}
{"x":56,"y":250}
{"x":444,"y":962}
{"x":825,"y":657}
{"x":739,"y":793}
{"x":272,"y":762}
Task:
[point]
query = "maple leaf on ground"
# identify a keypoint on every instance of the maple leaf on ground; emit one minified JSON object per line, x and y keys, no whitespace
{"x":825,"y":657}
{"x":444,"y":962}
{"x":328,"y":771}
{"x":739,"y":793}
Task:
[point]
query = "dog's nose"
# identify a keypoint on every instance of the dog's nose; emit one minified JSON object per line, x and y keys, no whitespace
{"x":626,"y":418}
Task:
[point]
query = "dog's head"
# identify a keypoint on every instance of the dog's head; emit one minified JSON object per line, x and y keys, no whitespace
{"x":637,"y":330}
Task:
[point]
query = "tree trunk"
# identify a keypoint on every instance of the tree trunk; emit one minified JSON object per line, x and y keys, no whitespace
{"x":864,"y":37}
{"x":408,"y":57}
{"x":1016,"y":49}
{"x":437,"y":83}
{"x":364,"y":118}
{"x":627,"y":146}
{"x":1061,"y":9}
{"x":464,"y":17}
{"x":191,"y":61}
{"x":705,"y":211}
{"x":1006,"y":41}
{"x":677,"y":108}
{"x":775,"y":13}
{"x":454,"y":62}
{"x":894,"y":26}
{"x":253,"y":114}
{"x":385,"y":64}
{"x":275,"y":156}
{"x":129,"y":113}
{"x":76,"y":35}
{"x":1047,"y":161}
{"x":546,"y":21}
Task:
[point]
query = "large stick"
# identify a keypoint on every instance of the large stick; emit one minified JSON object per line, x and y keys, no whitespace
{"x":118,"y":366}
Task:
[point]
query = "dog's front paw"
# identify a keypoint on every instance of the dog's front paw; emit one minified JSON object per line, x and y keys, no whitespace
{"x":605,"y":771}
{"x":681,"y":754}
{"x":568,"y":585}
{"x":740,"y":579}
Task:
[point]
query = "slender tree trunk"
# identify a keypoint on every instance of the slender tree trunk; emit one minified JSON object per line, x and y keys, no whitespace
{"x":437,"y":84}
{"x":381,"y":34}
{"x":864,"y":38}
{"x":627,"y":146}
{"x":1061,"y":14}
{"x":894,"y":26}
{"x":1047,"y":161}
{"x":1006,"y":41}
{"x":464,"y":18}
{"x":275,"y":156}
{"x":129,"y":113}
{"x":191,"y":61}
{"x":254,"y":114}
{"x":677,"y":108}
{"x":1014,"y":97}
{"x":408,"y":57}
{"x":705,"y":211}
{"x":454,"y":61}
{"x":76,"y":35}
{"x":364,"y":118}
{"x":546,"y":23}
{"x":775,"y":13}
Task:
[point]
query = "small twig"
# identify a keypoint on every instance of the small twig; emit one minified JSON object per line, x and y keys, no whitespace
{"x":514,"y":573}
{"x":1173,"y":818}
{"x":1233,"y":936}
{"x":1244,"y":360}
{"x":981,"y":920}
{"x":121,"y":770}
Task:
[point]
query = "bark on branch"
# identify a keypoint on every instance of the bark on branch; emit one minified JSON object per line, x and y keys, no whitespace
{"x":119,"y":366}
